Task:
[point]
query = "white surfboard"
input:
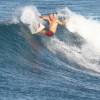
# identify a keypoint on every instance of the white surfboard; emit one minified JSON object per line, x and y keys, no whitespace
{"x":36,"y":28}
{"x":30,"y":16}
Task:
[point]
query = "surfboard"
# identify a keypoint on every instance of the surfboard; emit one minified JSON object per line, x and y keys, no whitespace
{"x":36,"y":28}
{"x":30,"y":17}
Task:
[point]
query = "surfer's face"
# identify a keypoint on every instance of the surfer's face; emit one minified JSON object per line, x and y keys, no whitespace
{"x":51,"y":16}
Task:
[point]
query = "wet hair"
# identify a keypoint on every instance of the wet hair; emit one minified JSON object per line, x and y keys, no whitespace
{"x":50,"y":13}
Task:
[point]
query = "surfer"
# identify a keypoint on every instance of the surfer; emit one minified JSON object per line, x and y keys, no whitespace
{"x":53,"y":23}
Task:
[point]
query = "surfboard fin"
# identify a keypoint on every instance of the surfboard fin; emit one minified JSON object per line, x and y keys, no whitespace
{"x":40,"y":28}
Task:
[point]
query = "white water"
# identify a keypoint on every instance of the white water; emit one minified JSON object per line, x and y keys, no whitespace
{"x":75,"y":23}
{"x":29,"y":16}
{"x":84,"y":57}
{"x":87,"y":28}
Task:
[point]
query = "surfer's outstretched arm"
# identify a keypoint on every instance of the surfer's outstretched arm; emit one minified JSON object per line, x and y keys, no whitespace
{"x":44,"y":17}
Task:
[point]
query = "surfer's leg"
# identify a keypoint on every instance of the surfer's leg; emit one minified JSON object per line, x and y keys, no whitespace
{"x":43,"y":31}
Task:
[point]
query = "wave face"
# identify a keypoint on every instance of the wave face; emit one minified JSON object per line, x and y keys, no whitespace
{"x":63,"y":67}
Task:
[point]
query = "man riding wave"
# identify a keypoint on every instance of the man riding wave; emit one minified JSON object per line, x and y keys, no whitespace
{"x":53,"y":23}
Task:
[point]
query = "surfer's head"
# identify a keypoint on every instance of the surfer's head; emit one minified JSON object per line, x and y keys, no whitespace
{"x":51,"y":16}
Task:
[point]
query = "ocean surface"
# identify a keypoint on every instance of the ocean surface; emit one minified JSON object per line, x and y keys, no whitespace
{"x":63,"y":67}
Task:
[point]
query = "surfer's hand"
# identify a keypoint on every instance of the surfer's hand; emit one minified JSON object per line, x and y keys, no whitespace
{"x":62,"y":22}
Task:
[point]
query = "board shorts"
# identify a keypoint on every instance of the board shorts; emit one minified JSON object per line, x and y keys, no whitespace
{"x":49,"y":33}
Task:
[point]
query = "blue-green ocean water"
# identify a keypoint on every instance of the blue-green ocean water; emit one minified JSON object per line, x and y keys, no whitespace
{"x":34,"y":67}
